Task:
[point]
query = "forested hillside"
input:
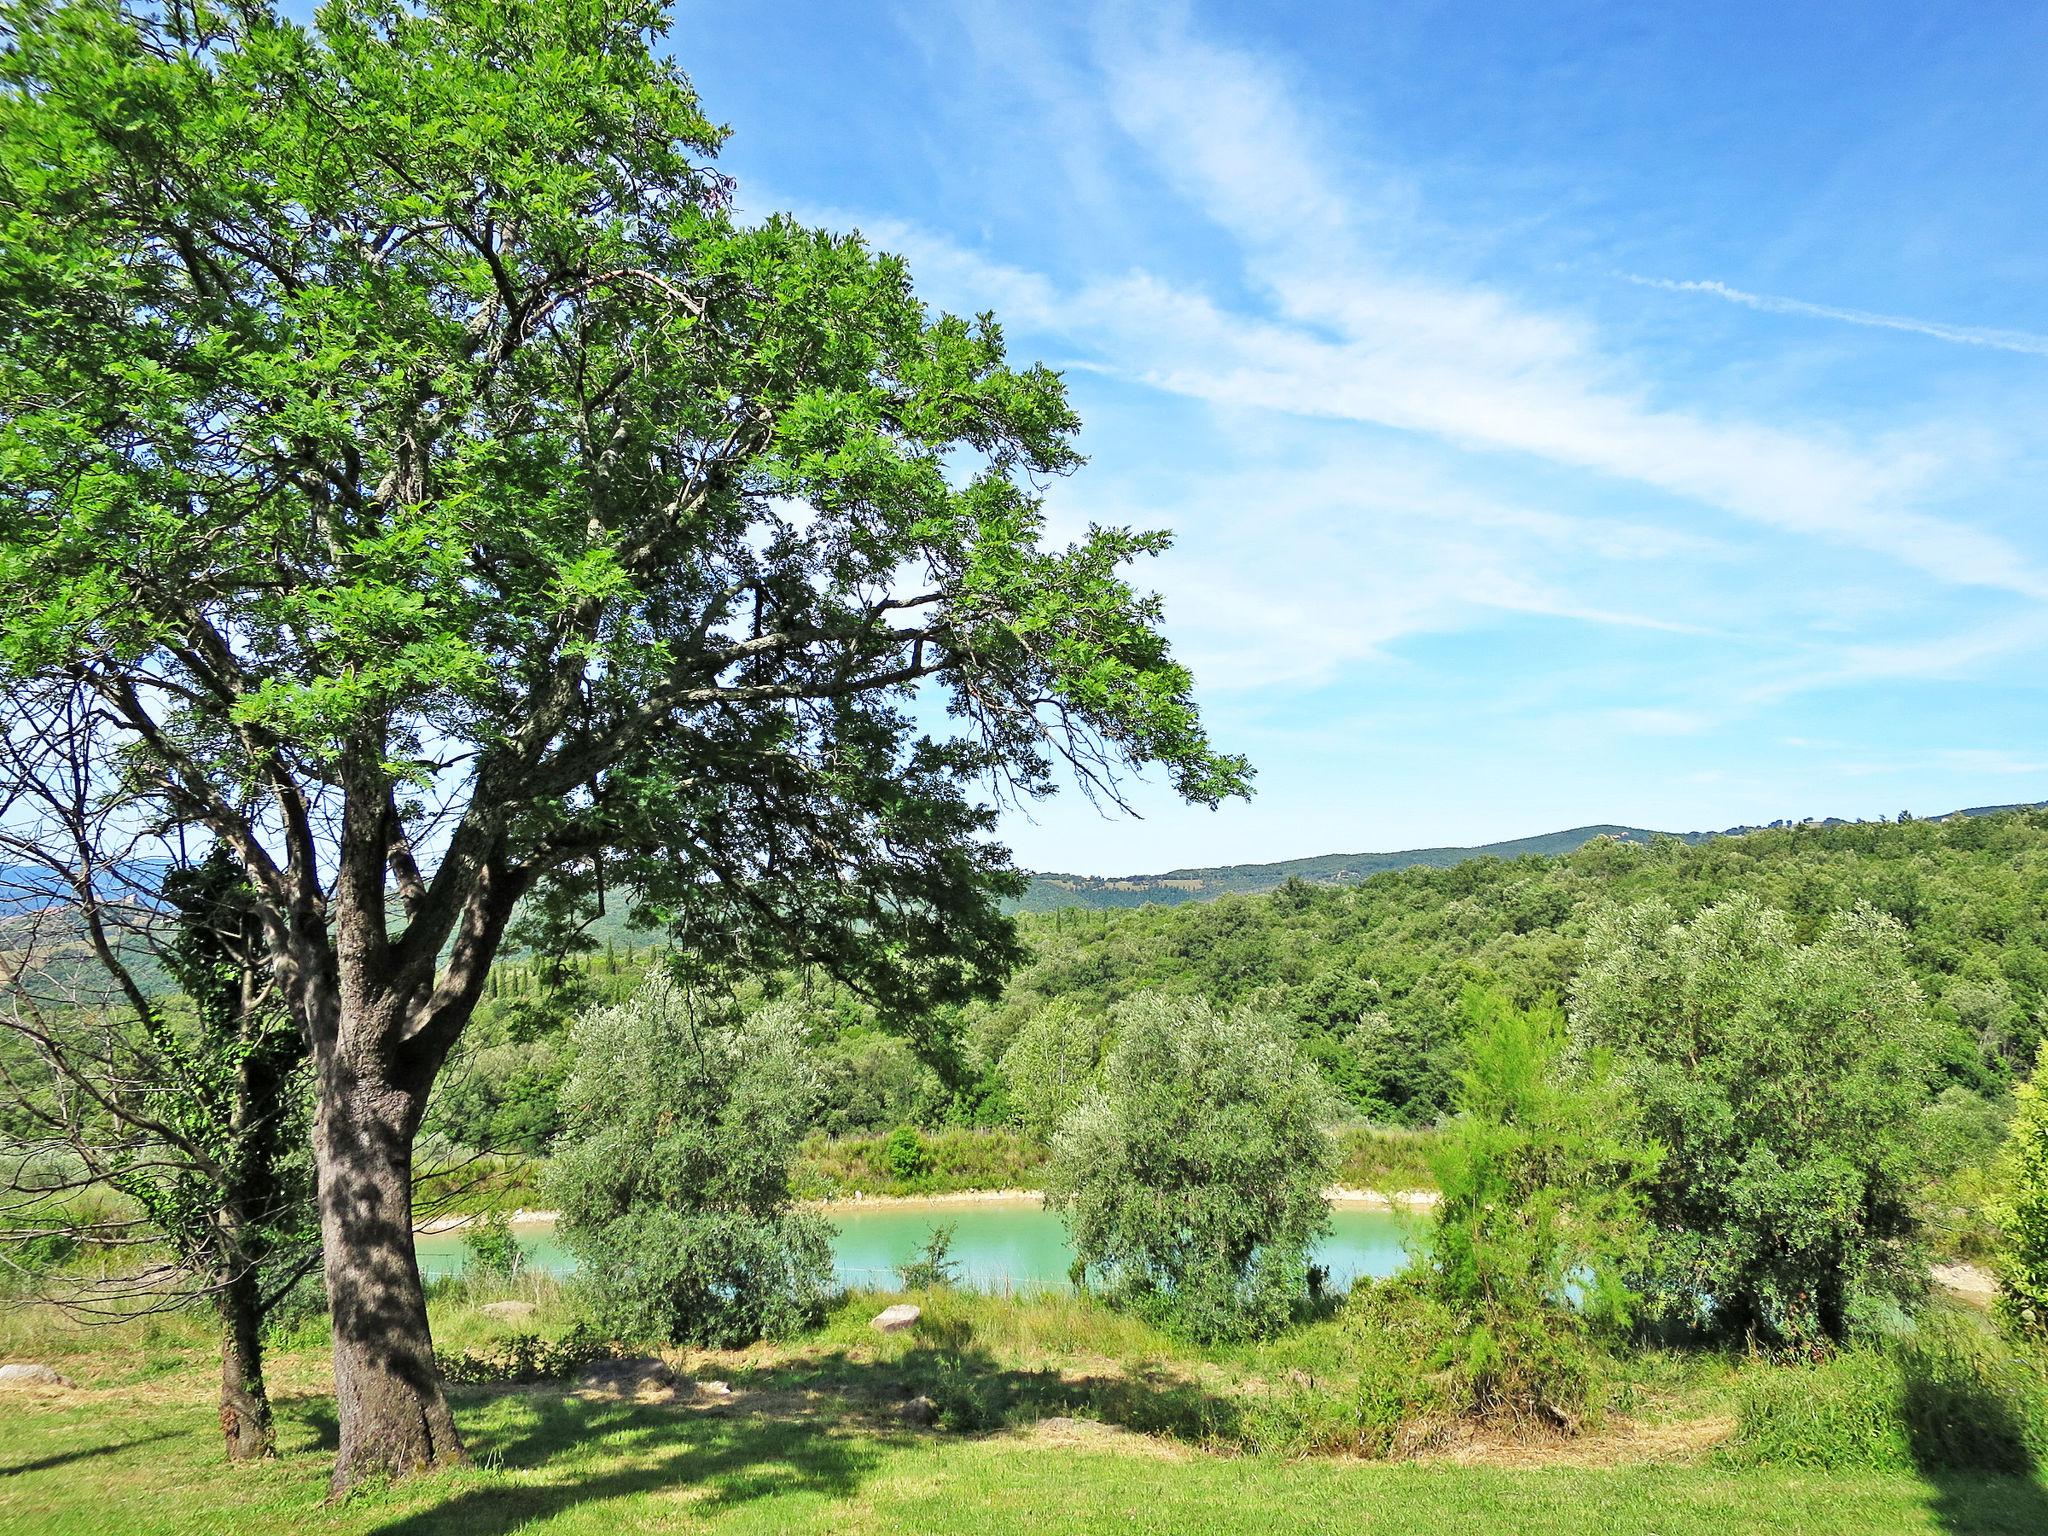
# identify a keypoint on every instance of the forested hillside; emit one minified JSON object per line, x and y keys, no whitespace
{"x":1052,"y":892}
{"x":1373,"y":973}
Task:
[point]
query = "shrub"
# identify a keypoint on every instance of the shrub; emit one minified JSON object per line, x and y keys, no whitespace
{"x":527,"y":1357}
{"x":673,"y":1176}
{"x":1051,"y":1063}
{"x":1785,"y":1083}
{"x":1191,"y":1180}
{"x":2020,"y":1208}
{"x":1391,"y":1397}
{"x":1538,"y":1215}
{"x":904,"y":1154}
{"x":934,"y":1265}
{"x":490,"y":1250}
{"x":1945,"y":1399}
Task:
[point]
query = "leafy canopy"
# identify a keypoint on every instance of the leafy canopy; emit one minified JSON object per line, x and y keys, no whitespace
{"x":407,"y":445}
{"x":1192,"y":1179}
{"x":1785,"y":1082}
{"x":672,"y":1174}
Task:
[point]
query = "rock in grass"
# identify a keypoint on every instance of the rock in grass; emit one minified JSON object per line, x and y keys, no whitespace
{"x":897,"y":1318}
{"x":509,"y":1311}
{"x":21,"y":1374}
{"x":628,"y":1377}
{"x":920,"y":1411}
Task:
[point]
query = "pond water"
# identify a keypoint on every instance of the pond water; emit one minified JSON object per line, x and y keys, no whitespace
{"x":998,"y":1244}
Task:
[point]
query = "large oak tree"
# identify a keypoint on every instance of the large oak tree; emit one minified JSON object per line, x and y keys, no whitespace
{"x":443,"y":489}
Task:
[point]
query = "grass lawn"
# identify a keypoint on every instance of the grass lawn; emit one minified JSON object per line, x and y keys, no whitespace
{"x":554,"y":1463}
{"x":808,"y":1439}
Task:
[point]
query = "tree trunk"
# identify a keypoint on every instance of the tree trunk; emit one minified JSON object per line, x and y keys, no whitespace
{"x":393,"y":1415}
{"x":244,"y":1404}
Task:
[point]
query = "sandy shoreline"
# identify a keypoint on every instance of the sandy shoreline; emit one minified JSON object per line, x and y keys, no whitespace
{"x":1371,"y":1199}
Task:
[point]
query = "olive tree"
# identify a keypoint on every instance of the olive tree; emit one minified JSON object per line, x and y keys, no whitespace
{"x":445,"y":492}
{"x":1192,"y":1179}
{"x":682,"y":1120}
{"x":1785,"y":1083}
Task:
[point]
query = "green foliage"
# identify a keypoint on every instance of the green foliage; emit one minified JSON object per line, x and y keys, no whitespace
{"x":1388,"y":1159}
{"x":2020,"y":1209}
{"x":904,"y":1154}
{"x":1191,"y":1181}
{"x":1946,"y":1399}
{"x":1786,"y":1083}
{"x":934,"y":1267}
{"x":1051,"y":1063}
{"x":527,"y":1357}
{"x":1393,"y":1393}
{"x":832,"y":1168}
{"x":673,"y":1174}
{"x":1373,"y":975}
{"x":1538,"y":1216}
{"x":490,"y":1251}
{"x":312,"y":479}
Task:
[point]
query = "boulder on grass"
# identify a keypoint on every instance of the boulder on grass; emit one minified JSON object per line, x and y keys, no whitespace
{"x":628,"y":1378}
{"x":897,"y":1318}
{"x":509,"y":1311}
{"x":23,"y":1374}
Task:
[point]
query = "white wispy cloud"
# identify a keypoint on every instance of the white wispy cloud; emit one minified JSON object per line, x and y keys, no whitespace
{"x":1771,"y":304}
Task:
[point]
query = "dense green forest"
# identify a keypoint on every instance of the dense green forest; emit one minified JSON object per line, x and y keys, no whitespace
{"x":1370,"y":975}
{"x":1053,"y":892}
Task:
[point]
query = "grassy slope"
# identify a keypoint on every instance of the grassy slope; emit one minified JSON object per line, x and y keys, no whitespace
{"x":139,"y":1467}
{"x":808,"y":1442}
{"x":566,"y":1465}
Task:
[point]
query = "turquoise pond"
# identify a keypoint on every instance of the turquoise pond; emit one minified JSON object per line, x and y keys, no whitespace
{"x":998,"y":1244}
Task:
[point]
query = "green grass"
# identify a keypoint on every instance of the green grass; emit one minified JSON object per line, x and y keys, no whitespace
{"x":560,"y":1465}
{"x":1146,"y":1435}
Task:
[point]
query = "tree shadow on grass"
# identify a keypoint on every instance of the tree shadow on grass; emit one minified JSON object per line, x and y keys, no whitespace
{"x":817,"y":1425}
{"x":84,"y":1453}
{"x":1970,"y":1441}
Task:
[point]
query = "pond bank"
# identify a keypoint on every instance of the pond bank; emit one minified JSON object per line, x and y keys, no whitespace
{"x":1366,"y":1199}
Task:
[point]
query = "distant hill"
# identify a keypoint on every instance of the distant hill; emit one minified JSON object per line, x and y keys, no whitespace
{"x":1095,"y":892}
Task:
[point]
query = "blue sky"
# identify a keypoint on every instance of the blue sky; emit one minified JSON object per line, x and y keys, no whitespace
{"x":1567,"y":413}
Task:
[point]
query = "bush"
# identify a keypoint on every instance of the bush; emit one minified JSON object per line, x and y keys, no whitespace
{"x":1191,"y":1181}
{"x":1946,"y":1399}
{"x":527,"y":1357}
{"x":934,"y":1265}
{"x":1051,"y":1063}
{"x":959,"y":1158}
{"x":490,"y":1250}
{"x":1392,"y":1399}
{"x":1785,"y":1083}
{"x":2020,"y":1209}
{"x":904,"y":1154}
{"x":673,"y":1176}
{"x":1539,"y":1213}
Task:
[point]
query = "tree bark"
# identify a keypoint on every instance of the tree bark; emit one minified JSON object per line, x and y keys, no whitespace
{"x":394,"y":1418}
{"x":244,"y":1403}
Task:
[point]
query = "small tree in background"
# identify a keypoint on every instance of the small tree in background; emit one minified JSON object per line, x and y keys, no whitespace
{"x":673,"y":1173}
{"x":1192,"y":1180}
{"x":1051,"y":1064}
{"x":1785,"y":1082}
{"x":1539,"y":1216}
{"x":2020,"y":1210}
